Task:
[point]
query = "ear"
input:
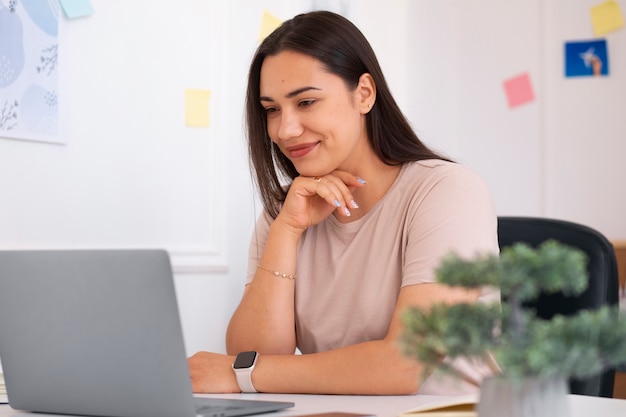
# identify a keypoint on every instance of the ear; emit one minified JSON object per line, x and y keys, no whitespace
{"x":366,"y":93}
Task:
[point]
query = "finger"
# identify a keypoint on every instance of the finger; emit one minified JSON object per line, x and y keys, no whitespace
{"x":349,"y":183}
{"x":328,"y":189}
{"x":335,"y":191}
{"x":351,"y":180}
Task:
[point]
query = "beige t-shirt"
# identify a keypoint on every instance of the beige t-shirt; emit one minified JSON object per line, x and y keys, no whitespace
{"x":350,"y":275}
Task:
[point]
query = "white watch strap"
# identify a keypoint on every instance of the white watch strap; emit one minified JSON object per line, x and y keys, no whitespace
{"x":243,"y":372}
{"x":244,"y":379}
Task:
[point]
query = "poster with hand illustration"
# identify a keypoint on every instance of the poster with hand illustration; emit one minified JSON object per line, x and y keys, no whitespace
{"x":29,"y":87}
{"x":586,"y":58}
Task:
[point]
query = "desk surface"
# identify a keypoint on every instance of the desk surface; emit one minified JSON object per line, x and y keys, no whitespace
{"x":385,"y":406}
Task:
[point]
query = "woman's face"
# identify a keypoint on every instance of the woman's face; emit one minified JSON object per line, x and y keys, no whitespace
{"x":315,"y":120}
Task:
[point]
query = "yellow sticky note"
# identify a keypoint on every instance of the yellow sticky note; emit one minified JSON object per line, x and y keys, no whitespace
{"x":197,"y":107}
{"x":606,"y":17}
{"x":269,"y":23}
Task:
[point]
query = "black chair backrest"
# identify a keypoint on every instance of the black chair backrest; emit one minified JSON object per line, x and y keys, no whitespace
{"x":603,"y":286}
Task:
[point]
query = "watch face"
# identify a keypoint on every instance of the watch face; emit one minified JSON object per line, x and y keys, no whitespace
{"x":244,"y":360}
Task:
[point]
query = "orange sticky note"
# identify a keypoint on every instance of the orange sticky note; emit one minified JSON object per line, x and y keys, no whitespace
{"x":197,"y":107}
{"x":519,"y":90}
{"x":606,"y":17}
{"x":269,"y":23}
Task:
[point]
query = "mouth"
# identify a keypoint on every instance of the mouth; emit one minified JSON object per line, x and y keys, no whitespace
{"x":299,"y":151}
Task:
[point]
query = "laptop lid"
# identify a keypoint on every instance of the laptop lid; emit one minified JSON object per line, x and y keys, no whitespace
{"x":94,"y":332}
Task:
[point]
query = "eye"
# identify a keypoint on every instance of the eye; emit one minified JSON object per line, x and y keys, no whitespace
{"x":306,"y":103}
{"x":270,"y":110}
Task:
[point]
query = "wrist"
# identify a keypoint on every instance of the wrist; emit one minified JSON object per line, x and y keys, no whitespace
{"x":285,"y":231}
{"x":243,"y":366}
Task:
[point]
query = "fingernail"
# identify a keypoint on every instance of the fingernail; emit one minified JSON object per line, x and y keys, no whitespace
{"x":354,"y":204}
{"x":337,"y":203}
{"x":361,"y":180}
{"x":346,"y":211}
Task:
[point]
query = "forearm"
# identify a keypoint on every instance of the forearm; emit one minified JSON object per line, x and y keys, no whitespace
{"x":264,"y":320}
{"x":370,"y":368}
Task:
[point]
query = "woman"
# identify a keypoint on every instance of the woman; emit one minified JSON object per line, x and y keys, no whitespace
{"x":358,"y":213}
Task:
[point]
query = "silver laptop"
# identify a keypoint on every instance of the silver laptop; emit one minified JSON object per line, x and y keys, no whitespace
{"x":97,"y":332}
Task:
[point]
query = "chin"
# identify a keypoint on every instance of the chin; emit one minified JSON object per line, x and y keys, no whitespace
{"x":313,"y":173}
{"x":308,"y":171}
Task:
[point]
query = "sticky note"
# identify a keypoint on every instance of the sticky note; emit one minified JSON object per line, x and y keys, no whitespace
{"x":606,"y":17}
{"x":269,"y":23}
{"x":519,"y":90}
{"x":197,"y":107}
{"x":76,"y":8}
{"x":586,"y":58}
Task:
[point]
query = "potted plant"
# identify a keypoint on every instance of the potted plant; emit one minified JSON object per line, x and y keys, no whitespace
{"x":535,"y":356}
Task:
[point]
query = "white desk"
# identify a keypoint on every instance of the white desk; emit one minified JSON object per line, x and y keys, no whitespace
{"x":385,"y":406}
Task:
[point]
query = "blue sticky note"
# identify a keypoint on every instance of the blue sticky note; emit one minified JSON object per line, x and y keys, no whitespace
{"x":76,"y":8}
{"x":586,"y":58}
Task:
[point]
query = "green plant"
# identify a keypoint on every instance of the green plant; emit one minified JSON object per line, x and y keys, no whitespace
{"x":522,"y":344}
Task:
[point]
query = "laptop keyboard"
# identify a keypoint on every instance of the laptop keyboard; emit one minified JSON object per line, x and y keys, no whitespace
{"x":218,"y":409}
{"x":203,"y":409}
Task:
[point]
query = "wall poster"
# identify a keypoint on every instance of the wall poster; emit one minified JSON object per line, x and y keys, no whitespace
{"x":586,"y":58}
{"x":29,"y":81}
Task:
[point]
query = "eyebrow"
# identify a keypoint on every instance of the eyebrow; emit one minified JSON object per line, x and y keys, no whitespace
{"x":291,"y":94}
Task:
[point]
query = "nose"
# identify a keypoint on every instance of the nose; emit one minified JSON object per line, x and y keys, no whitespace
{"x":290,"y":125}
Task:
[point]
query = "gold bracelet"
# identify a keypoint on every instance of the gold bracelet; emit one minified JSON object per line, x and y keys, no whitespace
{"x":277,"y":273}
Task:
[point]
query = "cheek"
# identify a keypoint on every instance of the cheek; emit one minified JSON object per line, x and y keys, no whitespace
{"x":272,"y":129}
{"x":347,"y":123}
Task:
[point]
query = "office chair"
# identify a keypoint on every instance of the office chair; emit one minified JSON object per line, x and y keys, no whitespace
{"x":603,"y":286}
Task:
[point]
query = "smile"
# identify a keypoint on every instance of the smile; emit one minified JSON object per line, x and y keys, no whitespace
{"x":301,"y":150}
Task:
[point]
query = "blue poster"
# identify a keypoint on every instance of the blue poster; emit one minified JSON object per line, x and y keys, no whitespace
{"x":29,"y":91}
{"x":586,"y":58}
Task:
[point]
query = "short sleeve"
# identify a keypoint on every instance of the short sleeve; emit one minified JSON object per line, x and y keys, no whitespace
{"x":452,"y":212}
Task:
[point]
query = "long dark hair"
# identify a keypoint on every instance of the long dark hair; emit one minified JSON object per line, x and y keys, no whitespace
{"x":341,"y":47}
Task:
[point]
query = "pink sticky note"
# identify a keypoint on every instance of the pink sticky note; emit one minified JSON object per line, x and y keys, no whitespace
{"x":519,"y":90}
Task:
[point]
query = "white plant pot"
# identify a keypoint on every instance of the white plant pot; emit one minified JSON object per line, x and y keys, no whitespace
{"x":527,"y":397}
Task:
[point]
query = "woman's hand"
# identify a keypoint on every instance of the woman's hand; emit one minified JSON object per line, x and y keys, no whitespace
{"x":311,"y":199}
{"x":264,"y":320}
{"x":212,"y":373}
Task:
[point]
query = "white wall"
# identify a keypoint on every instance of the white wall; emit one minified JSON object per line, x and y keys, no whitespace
{"x":585,"y":126}
{"x":560,"y":156}
{"x":131,"y":174}
{"x":461,"y":51}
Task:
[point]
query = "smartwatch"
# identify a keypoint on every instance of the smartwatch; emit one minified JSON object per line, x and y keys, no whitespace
{"x":243,"y":367}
